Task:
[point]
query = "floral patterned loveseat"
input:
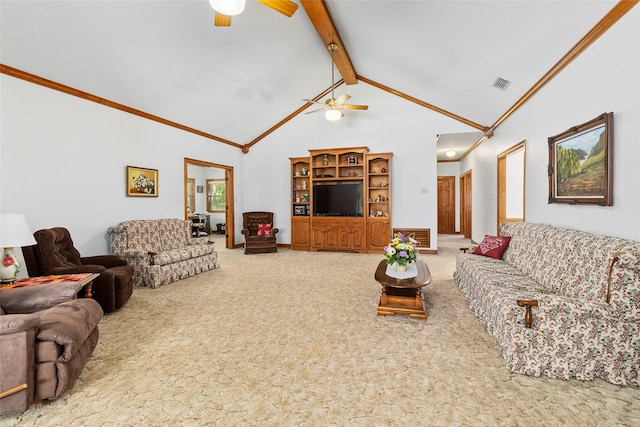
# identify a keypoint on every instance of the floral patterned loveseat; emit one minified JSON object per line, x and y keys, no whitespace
{"x":161,"y":251}
{"x":582,"y":292}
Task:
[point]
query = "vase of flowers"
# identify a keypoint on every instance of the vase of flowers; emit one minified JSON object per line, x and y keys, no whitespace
{"x":401,"y":251}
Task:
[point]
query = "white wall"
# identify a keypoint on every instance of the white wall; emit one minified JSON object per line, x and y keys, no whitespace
{"x":605,"y":78}
{"x":64,"y":162}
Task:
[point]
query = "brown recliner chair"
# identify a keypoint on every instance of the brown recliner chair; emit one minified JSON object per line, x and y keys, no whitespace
{"x":55,"y":254}
{"x":257,"y":239}
{"x":46,"y":338}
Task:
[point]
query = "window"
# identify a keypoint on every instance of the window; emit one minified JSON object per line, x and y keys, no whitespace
{"x":216,"y":195}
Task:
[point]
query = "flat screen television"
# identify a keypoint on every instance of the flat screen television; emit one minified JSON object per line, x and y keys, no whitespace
{"x":344,"y":199}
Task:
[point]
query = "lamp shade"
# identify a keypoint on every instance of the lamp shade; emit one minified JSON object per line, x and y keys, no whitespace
{"x":227,"y":7}
{"x":333,"y":114}
{"x":15,"y":231}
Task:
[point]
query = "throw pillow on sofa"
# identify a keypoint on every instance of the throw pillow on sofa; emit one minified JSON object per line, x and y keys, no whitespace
{"x":492,"y":246}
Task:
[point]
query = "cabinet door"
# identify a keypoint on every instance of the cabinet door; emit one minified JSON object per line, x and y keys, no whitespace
{"x":331,"y":238}
{"x":300,"y":234}
{"x":344,"y":238}
{"x":357,"y":239}
{"x":317,"y":236}
{"x":378,"y":235}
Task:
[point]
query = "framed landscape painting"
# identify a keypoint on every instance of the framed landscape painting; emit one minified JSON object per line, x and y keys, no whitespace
{"x":142,"y":182}
{"x":581,"y":163}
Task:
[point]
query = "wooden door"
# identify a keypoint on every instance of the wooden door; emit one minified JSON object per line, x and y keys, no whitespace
{"x":446,"y":204}
{"x":465,"y":204}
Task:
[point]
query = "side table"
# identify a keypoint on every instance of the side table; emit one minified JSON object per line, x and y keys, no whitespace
{"x":81,"y":280}
{"x":402,"y":296}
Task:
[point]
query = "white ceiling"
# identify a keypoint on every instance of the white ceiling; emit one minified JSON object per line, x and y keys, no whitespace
{"x":167,"y":58}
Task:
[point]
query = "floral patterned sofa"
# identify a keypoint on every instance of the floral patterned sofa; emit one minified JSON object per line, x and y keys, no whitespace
{"x":161,"y":251}
{"x":582,"y":292}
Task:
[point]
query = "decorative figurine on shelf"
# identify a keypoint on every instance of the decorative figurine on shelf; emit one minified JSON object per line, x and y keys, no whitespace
{"x":352,"y":160}
{"x":304,"y":185}
{"x":325,"y":160}
{"x":383,"y":170}
{"x":379,"y":198}
{"x":304,"y":171}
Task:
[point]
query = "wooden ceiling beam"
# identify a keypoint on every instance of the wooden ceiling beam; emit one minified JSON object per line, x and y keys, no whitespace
{"x":617,"y":12}
{"x":424,"y":104}
{"x":245,"y":148}
{"x":321,"y":19}
{"x":23,"y":75}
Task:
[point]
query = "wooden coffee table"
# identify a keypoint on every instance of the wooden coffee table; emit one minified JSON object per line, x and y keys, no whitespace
{"x":402,"y":296}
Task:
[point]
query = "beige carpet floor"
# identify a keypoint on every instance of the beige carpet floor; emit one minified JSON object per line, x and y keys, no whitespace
{"x":293,"y":338}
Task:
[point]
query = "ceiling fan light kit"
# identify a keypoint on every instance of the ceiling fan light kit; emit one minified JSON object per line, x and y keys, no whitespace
{"x":333,"y":114}
{"x":228,"y":7}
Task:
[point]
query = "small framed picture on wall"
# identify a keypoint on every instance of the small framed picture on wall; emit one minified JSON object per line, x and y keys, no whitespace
{"x":142,"y":182}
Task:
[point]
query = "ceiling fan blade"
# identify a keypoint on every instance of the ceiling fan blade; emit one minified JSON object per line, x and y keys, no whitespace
{"x":222,"y":20}
{"x":342,"y":98}
{"x":286,"y":7}
{"x":314,"y":102}
{"x":355,"y":107}
{"x":315,"y":111}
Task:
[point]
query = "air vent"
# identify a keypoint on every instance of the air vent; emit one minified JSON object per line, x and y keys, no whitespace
{"x":501,"y":83}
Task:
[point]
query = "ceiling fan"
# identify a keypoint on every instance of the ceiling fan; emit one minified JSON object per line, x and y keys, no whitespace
{"x":333,"y":106}
{"x":225,"y":9}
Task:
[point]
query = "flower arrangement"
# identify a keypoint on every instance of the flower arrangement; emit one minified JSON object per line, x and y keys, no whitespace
{"x":401,"y":250}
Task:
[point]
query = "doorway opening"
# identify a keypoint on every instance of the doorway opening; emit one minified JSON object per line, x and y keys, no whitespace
{"x":511,"y":185}
{"x":208,"y":192}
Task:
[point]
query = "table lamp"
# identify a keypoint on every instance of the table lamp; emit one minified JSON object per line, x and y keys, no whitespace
{"x":14,"y":232}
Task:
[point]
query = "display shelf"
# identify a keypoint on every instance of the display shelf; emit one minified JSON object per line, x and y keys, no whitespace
{"x":378,"y":201}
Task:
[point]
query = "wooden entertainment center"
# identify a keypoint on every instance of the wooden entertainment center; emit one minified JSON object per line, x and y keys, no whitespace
{"x":351,"y":210}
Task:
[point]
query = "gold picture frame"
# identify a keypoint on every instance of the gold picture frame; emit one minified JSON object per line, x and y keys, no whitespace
{"x":142,"y":182}
{"x":581,"y":163}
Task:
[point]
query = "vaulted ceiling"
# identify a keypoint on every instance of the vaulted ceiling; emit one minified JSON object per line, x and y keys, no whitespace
{"x":237,"y":84}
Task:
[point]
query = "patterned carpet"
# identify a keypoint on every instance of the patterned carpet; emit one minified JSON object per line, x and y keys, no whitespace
{"x":293,"y":338}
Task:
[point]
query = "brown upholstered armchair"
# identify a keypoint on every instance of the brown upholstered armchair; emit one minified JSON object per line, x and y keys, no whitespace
{"x":46,"y":338}
{"x":259,"y":233}
{"x":55,"y":254}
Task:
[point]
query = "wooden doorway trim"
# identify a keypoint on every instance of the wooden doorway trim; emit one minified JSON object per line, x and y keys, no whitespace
{"x":503,"y":185}
{"x":446,"y":205}
{"x":466,"y":204}
{"x":230,"y":213}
